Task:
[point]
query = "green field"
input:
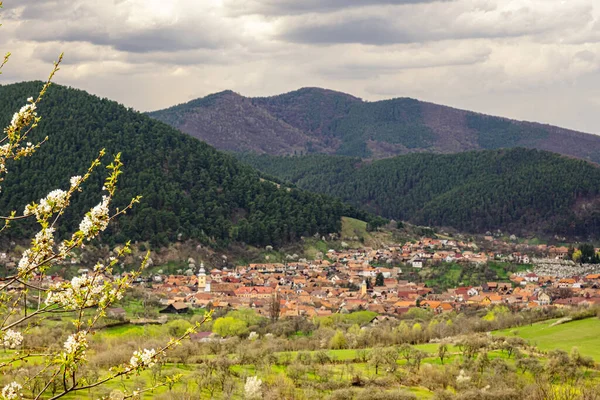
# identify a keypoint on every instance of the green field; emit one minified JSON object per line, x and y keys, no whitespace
{"x":353,"y":227}
{"x":583,"y":334}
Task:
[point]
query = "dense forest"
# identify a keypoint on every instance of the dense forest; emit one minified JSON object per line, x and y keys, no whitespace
{"x":189,"y":189}
{"x":517,"y":190}
{"x":322,"y":121}
{"x":354,"y":123}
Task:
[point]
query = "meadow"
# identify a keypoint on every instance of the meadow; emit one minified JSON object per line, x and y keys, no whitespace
{"x":583,"y":334}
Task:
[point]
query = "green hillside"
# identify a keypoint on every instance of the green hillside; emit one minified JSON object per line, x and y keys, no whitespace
{"x":353,"y":123}
{"x":582,"y":334}
{"x":190,"y":189}
{"x":518,"y":190}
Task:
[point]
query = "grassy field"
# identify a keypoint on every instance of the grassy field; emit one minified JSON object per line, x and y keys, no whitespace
{"x":343,"y":364}
{"x":584,"y":334}
{"x":353,"y":227}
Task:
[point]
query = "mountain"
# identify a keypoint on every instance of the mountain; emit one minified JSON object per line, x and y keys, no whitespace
{"x":520,"y":191}
{"x":231,"y":122}
{"x":189,"y":189}
{"x":313,"y":120}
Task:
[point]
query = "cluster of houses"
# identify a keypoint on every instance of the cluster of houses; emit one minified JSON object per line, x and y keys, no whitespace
{"x":369,"y":279}
{"x":372,"y":279}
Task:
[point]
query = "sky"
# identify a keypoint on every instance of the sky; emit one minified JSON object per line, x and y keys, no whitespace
{"x":536,"y":60}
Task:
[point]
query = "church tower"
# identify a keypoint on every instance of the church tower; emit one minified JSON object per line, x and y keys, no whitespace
{"x":363,"y":288}
{"x":201,"y":277}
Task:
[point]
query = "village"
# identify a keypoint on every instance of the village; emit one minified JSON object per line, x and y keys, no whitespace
{"x":343,"y":281}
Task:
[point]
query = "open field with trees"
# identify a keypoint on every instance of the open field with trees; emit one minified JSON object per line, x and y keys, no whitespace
{"x":349,"y":356}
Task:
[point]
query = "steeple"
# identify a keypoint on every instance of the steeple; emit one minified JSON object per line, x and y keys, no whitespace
{"x":202,"y":277}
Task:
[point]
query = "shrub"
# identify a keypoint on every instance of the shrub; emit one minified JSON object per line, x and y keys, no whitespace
{"x":391,"y":395}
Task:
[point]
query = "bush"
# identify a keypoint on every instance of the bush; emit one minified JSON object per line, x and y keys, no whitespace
{"x":443,"y":395}
{"x":342,"y":394}
{"x":177,"y":327}
{"x":391,"y":395}
{"x":505,"y":394}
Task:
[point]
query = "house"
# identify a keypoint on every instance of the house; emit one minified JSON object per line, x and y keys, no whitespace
{"x":543,"y":299}
{"x":531,"y":277}
{"x":559,"y":253}
{"x":116,"y":313}
{"x":444,"y":307}
{"x":175,"y":308}
{"x":566,"y":283}
{"x":490,"y":286}
{"x":417,"y":263}
{"x":382,"y":318}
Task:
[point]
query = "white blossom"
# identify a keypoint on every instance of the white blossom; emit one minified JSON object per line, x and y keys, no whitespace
{"x":54,"y":201}
{"x":42,"y":243}
{"x":253,"y":336}
{"x":83,"y":291}
{"x":143,"y":358}
{"x":76,"y":343}
{"x":96,"y":220}
{"x":253,"y":388}
{"x":462,"y":378}
{"x":12,"y":391}
{"x":44,"y":236}
{"x":62,"y":249}
{"x":27,"y":261}
{"x":12,"y":339}
{"x":24,"y":116}
{"x":75,"y":180}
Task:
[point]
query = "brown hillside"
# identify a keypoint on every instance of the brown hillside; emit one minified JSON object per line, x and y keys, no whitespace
{"x":325,"y":121}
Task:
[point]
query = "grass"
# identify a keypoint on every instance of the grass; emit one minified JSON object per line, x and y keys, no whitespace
{"x":313,"y":246}
{"x":503,"y":272}
{"x":353,"y":227}
{"x":582,"y":334}
{"x":351,"y":354}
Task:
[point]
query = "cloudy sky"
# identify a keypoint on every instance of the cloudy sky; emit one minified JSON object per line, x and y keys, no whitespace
{"x":527,"y":59}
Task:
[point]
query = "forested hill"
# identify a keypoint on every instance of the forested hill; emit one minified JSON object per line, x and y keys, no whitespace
{"x":190,"y":189}
{"x":517,"y":190}
{"x":313,"y":120}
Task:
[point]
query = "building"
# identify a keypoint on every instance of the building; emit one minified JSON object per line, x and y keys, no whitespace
{"x":175,"y":308}
{"x":201,"y":277}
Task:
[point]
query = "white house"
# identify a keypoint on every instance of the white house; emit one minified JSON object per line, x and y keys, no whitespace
{"x":531,"y":277}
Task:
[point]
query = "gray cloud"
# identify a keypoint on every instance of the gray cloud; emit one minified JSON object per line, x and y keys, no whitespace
{"x":118,"y":25}
{"x":505,"y":57}
{"x":160,"y":38}
{"x":433,"y":22}
{"x":294,"y":7}
{"x":369,"y":30}
{"x":386,"y":61}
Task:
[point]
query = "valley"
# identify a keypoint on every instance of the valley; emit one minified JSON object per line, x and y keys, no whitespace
{"x":180,"y":222}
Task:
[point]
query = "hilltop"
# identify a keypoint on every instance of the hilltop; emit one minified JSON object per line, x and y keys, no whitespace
{"x":314,"y":120}
{"x":190,"y":190}
{"x":521,"y":191}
